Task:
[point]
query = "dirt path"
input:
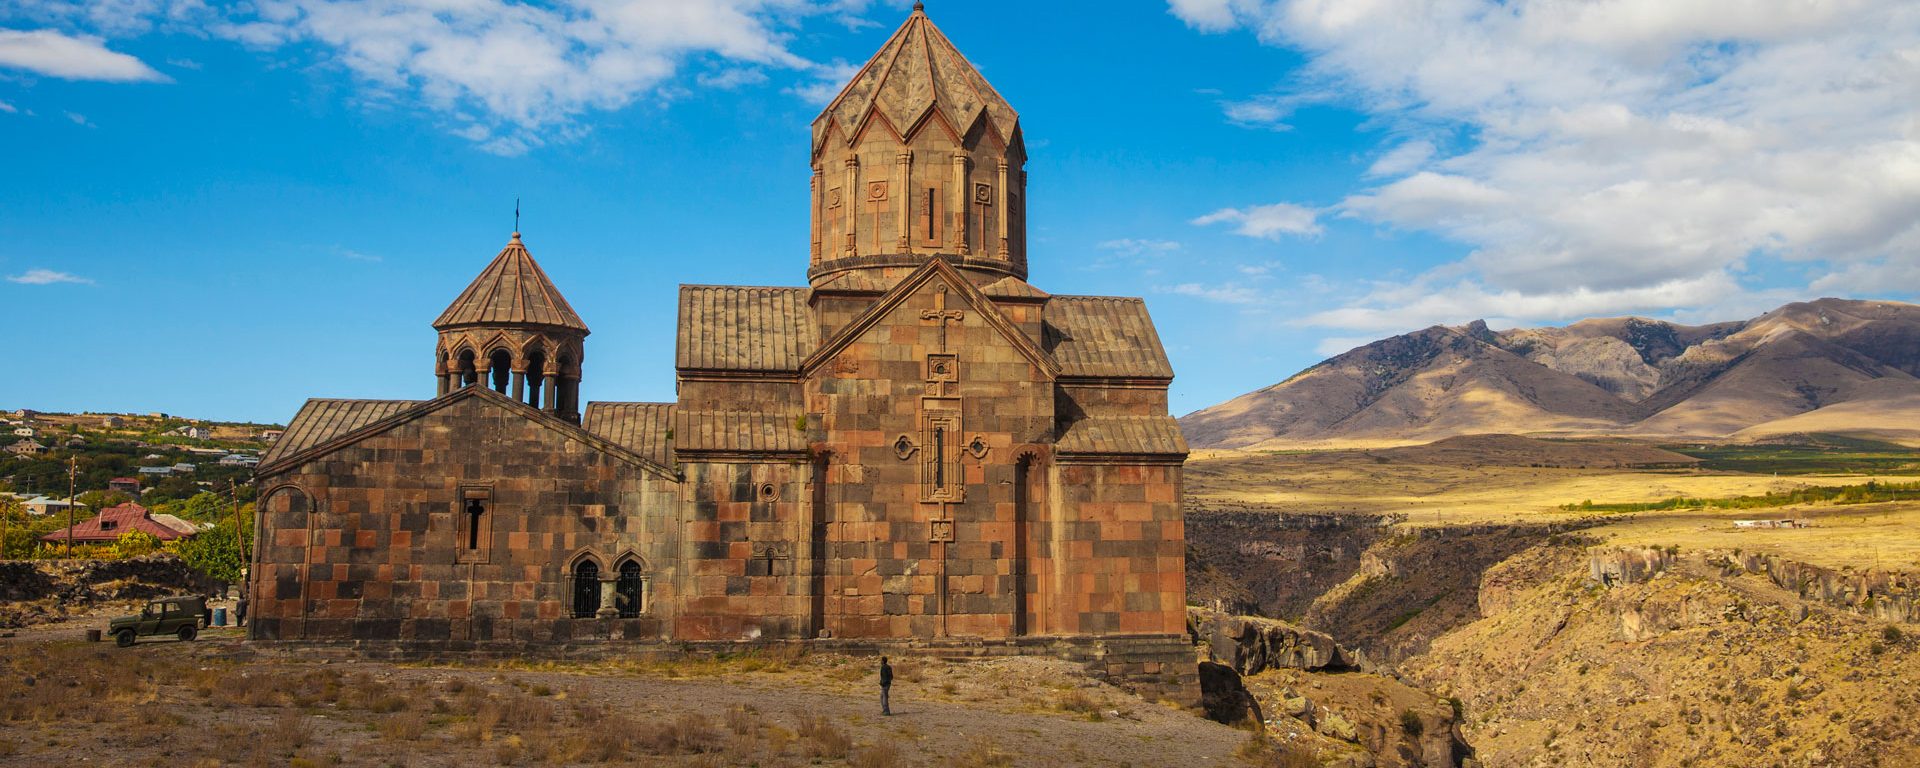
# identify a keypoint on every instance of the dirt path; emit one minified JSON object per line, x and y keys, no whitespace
{"x":193,"y":704}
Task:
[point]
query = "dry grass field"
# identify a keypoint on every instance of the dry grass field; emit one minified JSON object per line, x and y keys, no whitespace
{"x":216,"y":702}
{"x":1353,"y":482}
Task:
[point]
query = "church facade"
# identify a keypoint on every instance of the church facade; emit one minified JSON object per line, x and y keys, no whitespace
{"x":918,"y":445}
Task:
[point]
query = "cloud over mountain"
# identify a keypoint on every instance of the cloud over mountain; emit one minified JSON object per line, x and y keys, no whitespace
{"x":1621,"y":155}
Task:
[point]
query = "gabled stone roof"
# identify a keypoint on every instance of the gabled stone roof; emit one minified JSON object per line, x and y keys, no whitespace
{"x":734,"y":328}
{"x":739,"y":432}
{"x":1105,"y":337}
{"x":1123,"y":436}
{"x":321,"y":420}
{"x":916,"y":70}
{"x":511,"y":291}
{"x":324,"y":426}
{"x":644,"y":428}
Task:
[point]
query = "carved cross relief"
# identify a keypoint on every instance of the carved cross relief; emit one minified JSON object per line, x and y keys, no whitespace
{"x":940,"y":315}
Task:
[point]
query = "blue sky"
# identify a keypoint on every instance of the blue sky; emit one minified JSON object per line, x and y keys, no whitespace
{"x":221,"y":210}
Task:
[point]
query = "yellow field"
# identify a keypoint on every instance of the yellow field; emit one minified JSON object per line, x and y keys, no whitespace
{"x":1861,"y":536}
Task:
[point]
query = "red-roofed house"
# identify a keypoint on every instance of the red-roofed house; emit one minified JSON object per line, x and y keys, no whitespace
{"x":114,"y":521}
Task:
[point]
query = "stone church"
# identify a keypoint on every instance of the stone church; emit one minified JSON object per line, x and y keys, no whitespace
{"x":917,"y":447}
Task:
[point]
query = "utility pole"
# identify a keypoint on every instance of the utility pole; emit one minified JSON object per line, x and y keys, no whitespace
{"x":73,"y":475}
{"x":239,"y":536}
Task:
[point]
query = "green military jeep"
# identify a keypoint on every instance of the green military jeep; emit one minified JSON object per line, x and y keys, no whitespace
{"x":178,"y":616}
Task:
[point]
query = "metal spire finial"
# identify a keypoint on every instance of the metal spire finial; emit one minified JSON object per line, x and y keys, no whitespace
{"x":516,"y":218}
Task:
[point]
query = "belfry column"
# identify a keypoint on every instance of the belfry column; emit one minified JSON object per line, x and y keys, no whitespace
{"x":819,"y":207}
{"x":903,"y":176}
{"x":553,"y":388}
{"x":517,"y":388}
{"x":442,"y":380}
{"x":1000,"y":209}
{"x":960,"y":203}
{"x":853,"y":209}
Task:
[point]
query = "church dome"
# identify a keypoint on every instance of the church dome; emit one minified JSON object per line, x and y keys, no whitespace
{"x":918,"y":156}
{"x":511,"y":331}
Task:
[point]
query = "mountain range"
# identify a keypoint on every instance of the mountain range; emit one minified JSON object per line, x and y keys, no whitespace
{"x":1826,"y":366}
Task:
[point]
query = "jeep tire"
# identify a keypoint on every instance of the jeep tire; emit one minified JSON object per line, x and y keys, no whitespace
{"x":186,"y":633}
{"x":123,"y":638}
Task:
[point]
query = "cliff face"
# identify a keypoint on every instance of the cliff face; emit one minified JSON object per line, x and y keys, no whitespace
{"x":1819,"y":362}
{"x":1684,"y":660}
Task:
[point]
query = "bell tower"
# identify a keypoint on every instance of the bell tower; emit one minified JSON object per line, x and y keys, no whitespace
{"x":511,"y":331}
{"x":918,"y":157}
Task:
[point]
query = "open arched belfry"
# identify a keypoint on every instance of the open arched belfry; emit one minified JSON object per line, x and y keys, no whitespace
{"x":918,"y":446}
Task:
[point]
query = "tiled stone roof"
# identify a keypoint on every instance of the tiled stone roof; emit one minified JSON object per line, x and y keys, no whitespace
{"x":1013,"y":288}
{"x":1102,"y":336}
{"x":732,"y":328}
{"x":511,"y":291}
{"x":322,"y":420}
{"x":643,"y":428}
{"x":917,"y":69}
{"x":117,"y":520}
{"x":1124,"y":435}
{"x":739,"y":432}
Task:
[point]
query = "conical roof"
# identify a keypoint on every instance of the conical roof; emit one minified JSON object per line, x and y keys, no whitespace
{"x":917,"y":70}
{"x":511,"y":291}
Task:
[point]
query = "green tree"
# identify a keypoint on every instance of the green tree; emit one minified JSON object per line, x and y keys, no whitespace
{"x":99,"y":500}
{"x":134,"y":544}
{"x":217,"y":552}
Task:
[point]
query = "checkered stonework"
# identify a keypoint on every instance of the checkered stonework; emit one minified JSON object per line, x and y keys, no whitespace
{"x":921,"y":447}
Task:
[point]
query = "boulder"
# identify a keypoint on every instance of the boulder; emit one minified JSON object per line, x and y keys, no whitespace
{"x":1251,"y":645}
{"x":1333,"y":725}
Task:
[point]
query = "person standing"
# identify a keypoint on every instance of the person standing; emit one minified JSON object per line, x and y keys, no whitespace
{"x":886,"y":685}
{"x":240,"y":611}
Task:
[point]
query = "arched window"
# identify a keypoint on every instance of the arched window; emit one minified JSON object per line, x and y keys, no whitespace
{"x":629,"y":594}
{"x":586,"y":590}
{"x":469,"y":375}
{"x":536,"y":367}
{"x":500,"y":369}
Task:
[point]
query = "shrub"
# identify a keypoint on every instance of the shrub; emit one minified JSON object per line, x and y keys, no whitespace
{"x":1891,"y":635}
{"x":1411,"y":723}
{"x":134,"y":544}
{"x":824,"y":738}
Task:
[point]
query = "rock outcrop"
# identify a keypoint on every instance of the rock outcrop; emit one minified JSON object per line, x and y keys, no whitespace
{"x":38,"y":591}
{"x":1251,"y":645}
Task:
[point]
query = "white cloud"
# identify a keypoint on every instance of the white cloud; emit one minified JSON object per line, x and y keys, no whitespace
{"x":78,"y":119}
{"x":728,"y":79}
{"x":50,"y":53}
{"x":1132,"y":247}
{"x":1433,"y":300}
{"x":510,"y":75}
{"x":1271,"y":222}
{"x":826,"y":83}
{"x":1403,"y":159}
{"x":46,"y":277}
{"x":1626,"y":155}
{"x":1218,"y":294}
{"x":1270,"y":112}
{"x":8,"y":108}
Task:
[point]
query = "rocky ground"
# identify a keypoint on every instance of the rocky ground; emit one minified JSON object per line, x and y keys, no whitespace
{"x":218,"y":702}
{"x":1697,"y":666}
{"x":35,"y":592}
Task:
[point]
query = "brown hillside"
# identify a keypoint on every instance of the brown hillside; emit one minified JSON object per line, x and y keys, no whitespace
{"x":1615,"y":376}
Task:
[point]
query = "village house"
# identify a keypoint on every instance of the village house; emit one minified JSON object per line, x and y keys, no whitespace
{"x":114,"y":522}
{"x":41,"y":506}
{"x":24,"y":432}
{"x":26,"y":448}
{"x":917,"y":447}
{"x":128,"y":485}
